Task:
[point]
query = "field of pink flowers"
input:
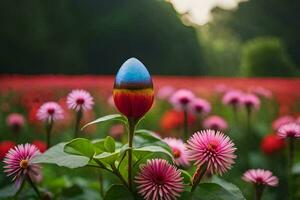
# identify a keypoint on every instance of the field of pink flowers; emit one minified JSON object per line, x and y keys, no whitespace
{"x":105,"y":137}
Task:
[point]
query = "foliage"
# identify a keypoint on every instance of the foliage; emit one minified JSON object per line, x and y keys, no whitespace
{"x":266,"y":56}
{"x":95,"y":37}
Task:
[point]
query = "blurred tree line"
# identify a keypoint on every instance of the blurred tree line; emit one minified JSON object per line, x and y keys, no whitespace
{"x":260,"y":38}
{"x":95,"y":37}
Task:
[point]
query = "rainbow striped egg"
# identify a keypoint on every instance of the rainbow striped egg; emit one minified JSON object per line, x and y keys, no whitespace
{"x":133,"y":89}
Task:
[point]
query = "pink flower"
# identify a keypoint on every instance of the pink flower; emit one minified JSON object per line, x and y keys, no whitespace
{"x":222,"y":88}
{"x":260,"y":177}
{"x":110,"y":101}
{"x":158,"y":180}
{"x":116,"y":131}
{"x":263,"y":92}
{"x":165,"y":92}
{"x":281,"y":121}
{"x":80,"y":100}
{"x":179,"y":151}
{"x":290,"y":130}
{"x":233,"y":98}
{"x":50,"y":111}
{"x":213,"y":149}
{"x":200,"y":106}
{"x":182,"y":98}
{"x":250,"y":101}
{"x":18,"y":163}
{"x":215,"y":122}
{"x":15,"y":120}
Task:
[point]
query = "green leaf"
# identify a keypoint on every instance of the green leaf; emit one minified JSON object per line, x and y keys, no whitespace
{"x":143,"y":151}
{"x":114,"y":117}
{"x":118,"y":192}
{"x":187,"y":179}
{"x":81,"y":147}
{"x":107,"y":157}
{"x":148,"y":138}
{"x":109,"y":144}
{"x":56,"y":155}
{"x":8,"y":192}
{"x":231,"y":188}
{"x":98,"y":146}
{"x":296,"y":168}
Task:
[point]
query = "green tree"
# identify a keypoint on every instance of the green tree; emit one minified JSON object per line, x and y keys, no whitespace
{"x":266,"y":56}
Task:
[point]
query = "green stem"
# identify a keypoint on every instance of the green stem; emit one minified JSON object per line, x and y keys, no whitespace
{"x":33,"y":186}
{"x":132,"y":124}
{"x":48,"y":132}
{"x":258,"y":191}
{"x":198,"y":176}
{"x":101,"y":184}
{"x":20,"y":189}
{"x":77,"y":123}
{"x":185,"y":124}
{"x":290,"y":166}
{"x":115,"y":170}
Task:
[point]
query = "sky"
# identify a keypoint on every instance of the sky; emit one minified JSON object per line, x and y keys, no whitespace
{"x":198,"y":11}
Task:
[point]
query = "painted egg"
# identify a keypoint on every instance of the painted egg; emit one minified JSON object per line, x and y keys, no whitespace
{"x":133,"y":89}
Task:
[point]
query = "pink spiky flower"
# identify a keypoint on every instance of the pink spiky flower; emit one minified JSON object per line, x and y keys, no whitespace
{"x":213,"y":149}
{"x":215,"y":123}
{"x":158,"y":180}
{"x":233,"y":98}
{"x":80,"y":100}
{"x":18,"y":163}
{"x":260,"y":177}
{"x":50,"y":111}
{"x":200,"y":106}
{"x":182,"y":98}
{"x":290,"y":130}
{"x":15,"y":121}
{"x":250,"y":101}
{"x":179,"y":151}
{"x":282,"y":121}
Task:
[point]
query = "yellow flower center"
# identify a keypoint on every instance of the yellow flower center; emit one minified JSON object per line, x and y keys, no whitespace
{"x":24,"y":164}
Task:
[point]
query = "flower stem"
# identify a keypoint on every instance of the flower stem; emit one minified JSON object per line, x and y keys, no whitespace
{"x":185,"y":124}
{"x":20,"y":189}
{"x":258,"y":191}
{"x":77,"y":123}
{"x":101,"y":184}
{"x":33,"y":186}
{"x":198,"y":176}
{"x":132,"y":124}
{"x":290,"y":166}
{"x":48,"y":132}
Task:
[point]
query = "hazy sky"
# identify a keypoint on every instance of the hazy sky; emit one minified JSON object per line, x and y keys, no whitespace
{"x":199,"y":10}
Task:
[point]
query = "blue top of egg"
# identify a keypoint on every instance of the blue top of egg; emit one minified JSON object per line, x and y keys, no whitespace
{"x":133,"y":73}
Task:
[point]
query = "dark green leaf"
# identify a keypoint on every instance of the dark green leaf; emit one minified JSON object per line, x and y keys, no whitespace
{"x":118,"y":192}
{"x":114,"y":117}
{"x":81,"y":147}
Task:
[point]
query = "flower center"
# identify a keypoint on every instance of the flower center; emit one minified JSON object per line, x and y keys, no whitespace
{"x":80,"y":101}
{"x":199,"y":108}
{"x":234,"y":101}
{"x":50,"y":111}
{"x":159,"y":180}
{"x":184,"y":100}
{"x":259,"y":180}
{"x":24,"y":164}
{"x":176,"y":153}
{"x":212,"y":146}
{"x":290,"y":133}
